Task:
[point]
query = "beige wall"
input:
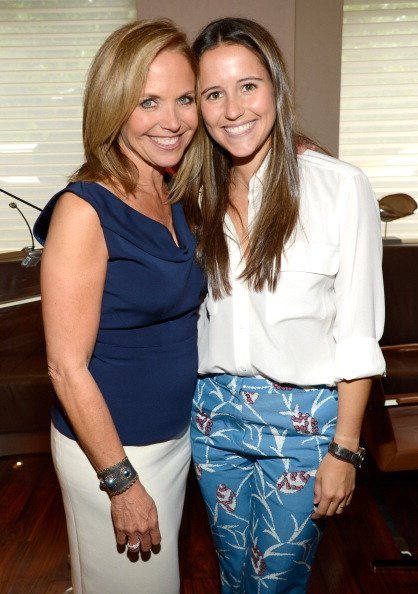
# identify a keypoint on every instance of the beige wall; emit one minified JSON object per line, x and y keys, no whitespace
{"x":317,"y":75}
{"x":309,"y":34}
{"x":191,"y":15}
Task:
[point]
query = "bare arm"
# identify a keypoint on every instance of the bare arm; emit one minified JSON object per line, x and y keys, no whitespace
{"x":335,"y":479}
{"x":73,"y":273}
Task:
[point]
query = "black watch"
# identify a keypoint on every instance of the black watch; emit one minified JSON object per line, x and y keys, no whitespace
{"x":354,"y":458}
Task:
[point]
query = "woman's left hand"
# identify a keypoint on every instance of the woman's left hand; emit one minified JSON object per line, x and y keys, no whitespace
{"x":334,"y":486}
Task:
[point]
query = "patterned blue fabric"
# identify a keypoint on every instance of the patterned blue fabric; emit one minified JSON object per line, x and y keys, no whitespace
{"x":256,"y":448}
{"x":145,"y":356}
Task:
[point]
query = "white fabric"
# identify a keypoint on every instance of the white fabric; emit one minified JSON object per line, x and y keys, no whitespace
{"x":96,"y":565}
{"x":323,"y":322}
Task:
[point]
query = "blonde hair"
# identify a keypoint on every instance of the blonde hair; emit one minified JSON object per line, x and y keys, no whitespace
{"x":278,"y":215}
{"x":114,"y":84}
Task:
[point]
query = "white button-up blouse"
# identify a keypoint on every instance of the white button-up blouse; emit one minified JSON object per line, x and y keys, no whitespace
{"x":322,"y":323}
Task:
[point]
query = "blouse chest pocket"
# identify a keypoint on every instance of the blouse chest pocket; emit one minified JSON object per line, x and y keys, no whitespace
{"x":305,"y":286}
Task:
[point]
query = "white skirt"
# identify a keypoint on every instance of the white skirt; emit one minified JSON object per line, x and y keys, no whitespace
{"x":96,"y":565}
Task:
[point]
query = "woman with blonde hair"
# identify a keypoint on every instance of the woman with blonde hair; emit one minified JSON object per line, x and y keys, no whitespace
{"x":288,"y":334}
{"x":120,"y":290}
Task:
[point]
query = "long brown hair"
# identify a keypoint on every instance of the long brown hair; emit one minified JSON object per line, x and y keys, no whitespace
{"x":280,"y":205}
{"x":115,"y":81}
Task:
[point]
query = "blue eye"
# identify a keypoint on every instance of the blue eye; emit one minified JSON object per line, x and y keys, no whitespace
{"x":148,"y":103}
{"x":186,"y":100}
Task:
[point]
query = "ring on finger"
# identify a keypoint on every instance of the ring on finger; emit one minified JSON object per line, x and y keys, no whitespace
{"x":134,"y":547}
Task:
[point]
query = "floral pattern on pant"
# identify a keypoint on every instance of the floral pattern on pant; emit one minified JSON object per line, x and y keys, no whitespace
{"x":256,"y":448}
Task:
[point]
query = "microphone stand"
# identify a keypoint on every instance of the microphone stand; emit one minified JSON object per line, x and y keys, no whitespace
{"x":32,"y":255}
{"x":21,"y":200}
{"x":14,"y":205}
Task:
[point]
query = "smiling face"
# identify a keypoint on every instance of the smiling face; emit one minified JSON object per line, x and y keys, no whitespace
{"x":162,"y":125}
{"x":238,"y":103}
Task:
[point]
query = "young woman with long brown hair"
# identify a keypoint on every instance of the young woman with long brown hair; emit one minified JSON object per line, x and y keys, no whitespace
{"x":288,"y":334}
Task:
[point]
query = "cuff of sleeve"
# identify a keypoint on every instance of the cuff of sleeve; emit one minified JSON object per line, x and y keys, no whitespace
{"x":358,"y":357}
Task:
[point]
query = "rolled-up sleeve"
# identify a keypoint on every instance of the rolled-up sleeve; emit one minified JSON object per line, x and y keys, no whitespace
{"x":358,"y":285}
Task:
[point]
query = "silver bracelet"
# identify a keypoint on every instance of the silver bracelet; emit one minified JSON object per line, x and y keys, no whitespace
{"x":118,"y":478}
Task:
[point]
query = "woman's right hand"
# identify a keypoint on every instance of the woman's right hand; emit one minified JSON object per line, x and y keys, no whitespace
{"x":135,"y":516}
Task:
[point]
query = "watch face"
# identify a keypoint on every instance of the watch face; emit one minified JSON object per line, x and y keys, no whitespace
{"x":358,"y":457}
{"x":361,"y":455}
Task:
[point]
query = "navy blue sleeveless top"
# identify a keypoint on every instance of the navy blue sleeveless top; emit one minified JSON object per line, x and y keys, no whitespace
{"x":145,"y":356}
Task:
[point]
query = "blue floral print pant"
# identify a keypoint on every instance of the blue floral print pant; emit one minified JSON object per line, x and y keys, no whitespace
{"x":256,"y":448}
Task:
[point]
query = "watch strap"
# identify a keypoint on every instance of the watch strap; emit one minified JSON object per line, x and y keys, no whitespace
{"x":341,"y":453}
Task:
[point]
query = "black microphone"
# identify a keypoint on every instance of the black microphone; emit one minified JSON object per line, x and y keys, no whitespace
{"x":32,"y":256}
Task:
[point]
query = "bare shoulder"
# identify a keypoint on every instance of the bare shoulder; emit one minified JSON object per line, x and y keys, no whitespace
{"x":71,"y":209}
{"x":75,"y":228}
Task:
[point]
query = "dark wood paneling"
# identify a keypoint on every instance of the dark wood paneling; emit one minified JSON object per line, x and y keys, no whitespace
{"x":26,"y":394}
{"x":17,"y":282}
